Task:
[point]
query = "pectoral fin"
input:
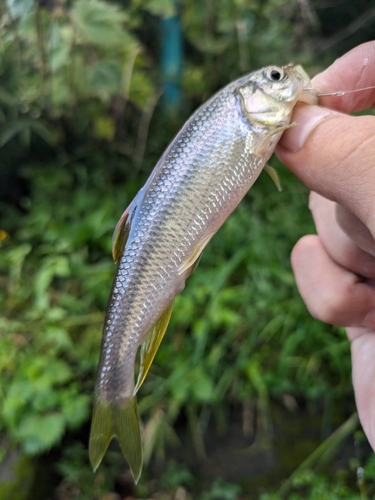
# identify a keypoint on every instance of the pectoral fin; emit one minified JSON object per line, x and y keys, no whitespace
{"x":151,"y":345}
{"x":263,"y":145}
{"x":274,"y":176}
{"x":192,"y":261}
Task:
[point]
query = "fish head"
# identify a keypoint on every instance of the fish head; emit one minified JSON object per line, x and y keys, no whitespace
{"x":269,"y":95}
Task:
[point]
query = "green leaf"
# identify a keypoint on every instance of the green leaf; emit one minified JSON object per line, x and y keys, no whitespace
{"x":100,"y":23}
{"x":104,"y":128}
{"x":60,"y":46}
{"x":58,"y":337}
{"x":76,"y":409}
{"x":22,"y":126}
{"x":165,"y":8}
{"x":40,"y":432}
{"x":141,"y":88}
{"x":51,"y":267}
{"x":105,"y":79}
{"x":19,"y":8}
{"x":201,"y":385}
{"x":7,"y":98}
{"x":19,"y":394}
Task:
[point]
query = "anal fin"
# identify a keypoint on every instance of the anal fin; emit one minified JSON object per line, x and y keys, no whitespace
{"x":151,"y":344}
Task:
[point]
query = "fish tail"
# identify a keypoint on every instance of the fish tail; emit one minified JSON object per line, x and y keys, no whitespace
{"x":119,"y":420}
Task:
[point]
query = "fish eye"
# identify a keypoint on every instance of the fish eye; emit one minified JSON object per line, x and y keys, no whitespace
{"x":275,"y":74}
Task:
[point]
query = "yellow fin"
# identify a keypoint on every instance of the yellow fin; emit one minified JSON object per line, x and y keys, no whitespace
{"x":194,"y":257}
{"x":274,"y":176}
{"x":121,"y":235}
{"x":151,"y":344}
{"x":119,"y":420}
{"x":122,"y":229}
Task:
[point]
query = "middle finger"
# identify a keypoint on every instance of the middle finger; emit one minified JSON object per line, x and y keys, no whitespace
{"x":337,"y":244}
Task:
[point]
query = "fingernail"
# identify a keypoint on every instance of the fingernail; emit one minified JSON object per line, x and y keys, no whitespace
{"x":307,"y":118}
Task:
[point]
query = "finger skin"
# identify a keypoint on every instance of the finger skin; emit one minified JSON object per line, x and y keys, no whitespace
{"x":355,"y":230}
{"x":354,"y":70}
{"x":363,"y":375}
{"x":340,"y":245}
{"x":315,"y":285}
{"x":332,"y":153}
{"x":332,"y":294}
{"x":337,"y":160}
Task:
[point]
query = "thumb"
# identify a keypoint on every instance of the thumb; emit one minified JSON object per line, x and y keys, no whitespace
{"x":334,"y":155}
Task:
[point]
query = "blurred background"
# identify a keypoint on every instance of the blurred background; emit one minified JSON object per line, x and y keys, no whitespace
{"x":248,"y":396}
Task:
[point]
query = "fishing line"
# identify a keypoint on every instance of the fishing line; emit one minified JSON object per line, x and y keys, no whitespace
{"x":340,"y":93}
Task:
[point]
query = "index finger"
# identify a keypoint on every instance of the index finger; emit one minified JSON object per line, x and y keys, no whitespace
{"x":354,"y":70}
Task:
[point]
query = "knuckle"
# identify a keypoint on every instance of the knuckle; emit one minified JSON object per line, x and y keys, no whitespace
{"x":331,"y":311}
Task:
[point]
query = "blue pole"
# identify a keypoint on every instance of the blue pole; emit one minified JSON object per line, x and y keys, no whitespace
{"x":171,"y":62}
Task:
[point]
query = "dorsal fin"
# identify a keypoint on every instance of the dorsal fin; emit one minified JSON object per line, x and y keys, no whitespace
{"x":122,"y":229}
{"x":151,"y":344}
{"x":121,"y":234}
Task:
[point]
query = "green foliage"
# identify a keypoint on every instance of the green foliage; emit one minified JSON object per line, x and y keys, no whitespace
{"x":78,"y":90}
{"x":220,"y":490}
{"x":248,"y":34}
{"x":58,"y":60}
{"x":18,"y":479}
{"x":176,"y":475}
{"x":51,"y":323}
{"x":317,"y":486}
{"x":311,"y":485}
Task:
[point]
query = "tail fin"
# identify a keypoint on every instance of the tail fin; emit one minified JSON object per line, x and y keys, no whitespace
{"x":118,"y":420}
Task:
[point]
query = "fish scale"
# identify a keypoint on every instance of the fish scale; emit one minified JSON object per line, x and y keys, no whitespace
{"x":203,"y":175}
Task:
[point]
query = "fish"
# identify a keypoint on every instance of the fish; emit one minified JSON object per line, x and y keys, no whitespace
{"x":200,"y":179}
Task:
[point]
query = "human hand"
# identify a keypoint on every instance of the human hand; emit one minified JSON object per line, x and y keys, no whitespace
{"x":334,"y":155}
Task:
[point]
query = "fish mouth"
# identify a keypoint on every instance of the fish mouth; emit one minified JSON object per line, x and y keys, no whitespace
{"x":308,"y":94}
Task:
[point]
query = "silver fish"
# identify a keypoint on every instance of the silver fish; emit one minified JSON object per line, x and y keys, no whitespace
{"x":198,"y":182}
